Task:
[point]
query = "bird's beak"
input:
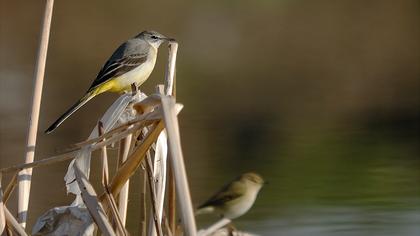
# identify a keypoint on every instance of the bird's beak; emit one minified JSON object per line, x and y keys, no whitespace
{"x":168,"y":39}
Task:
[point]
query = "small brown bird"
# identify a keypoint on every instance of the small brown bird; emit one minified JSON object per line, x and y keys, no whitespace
{"x":236,"y":198}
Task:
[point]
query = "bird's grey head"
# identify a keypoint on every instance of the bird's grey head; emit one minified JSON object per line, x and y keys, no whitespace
{"x":153,"y":38}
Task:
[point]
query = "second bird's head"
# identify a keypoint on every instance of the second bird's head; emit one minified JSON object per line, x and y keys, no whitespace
{"x":252,"y":180}
{"x":153,"y":38}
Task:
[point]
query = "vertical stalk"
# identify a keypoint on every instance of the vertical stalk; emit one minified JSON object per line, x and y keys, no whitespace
{"x":25,"y":175}
{"x":9,"y":189}
{"x":148,"y":163}
{"x":123,"y":196}
{"x":170,"y":70}
{"x":2,"y":216}
{"x":177,"y":162}
{"x":12,"y":222}
{"x":143,"y":207}
{"x":170,"y":89}
{"x":171,"y":200}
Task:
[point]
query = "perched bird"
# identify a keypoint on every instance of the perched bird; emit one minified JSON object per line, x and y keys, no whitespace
{"x":131,"y":63}
{"x":236,"y":198}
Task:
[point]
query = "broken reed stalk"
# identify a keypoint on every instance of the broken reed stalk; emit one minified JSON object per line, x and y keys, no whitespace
{"x":133,"y":162}
{"x":105,"y":179}
{"x":160,"y":161}
{"x":115,"y":214}
{"x":143,"y":203}
{"x":2,"y":216}
{"x":8,"y":229}
{"x":25,"y":175}
{"x":124,"y":129}
{"x":177,"y":161}
{"x":159,"y":177}
{"x":171,"y":200}
{"x":104,"y":157}
{"x":93,"y":205}
{"x":43,"y":162}
{"x":214,"y":227}
{"x":152,"y":190}
{"x":95,"y":143}
{"x":171,"y":90}
{"x":9,"y":189}
{"x":124,"y":149}
{"x":12,"y":222}
{"x":167,"y":226}
{"x":170,"y":71}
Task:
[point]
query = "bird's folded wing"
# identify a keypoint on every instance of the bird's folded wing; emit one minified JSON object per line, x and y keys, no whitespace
{"x":118,"y":67}
{"x":226,"y":194}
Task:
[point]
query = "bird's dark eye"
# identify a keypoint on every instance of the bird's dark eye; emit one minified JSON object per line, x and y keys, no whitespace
{"x":154,"y":37}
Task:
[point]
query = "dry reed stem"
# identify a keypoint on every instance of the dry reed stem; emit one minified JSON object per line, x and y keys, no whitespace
{"x":105,"y":179}
{"x":114,"y":139}
{"x":160,"y":167}
{"x":96,"y":144}
{"x":24,"y":181}
{"x":171,"y":90}
{"x":142,"y":120}
{"x":143,"y":204}
{"x":159,"y":178}
{"x":177,"y":161}
{"x":104,"y":157}
{"x":93,"y":205}
{"x":149,"y":102}
{"x":9,"y":189}
{"x":133,"y":125}
{"x":171,"y":199}
{"x":114,"y":211}
{"x":8,"y":230}
{"x":123,"y":196}
{"x":46,"y":161}
{"x":214,"y":227}
{"x":2,"y":217}
{"x":13,"y":223}
{"x":133,"y":162}
{"x":167,"y":226}
{"x":153,"y":194}
{"x":170,"y":71}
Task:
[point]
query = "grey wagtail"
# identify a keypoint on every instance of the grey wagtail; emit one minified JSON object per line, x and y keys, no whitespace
{"x":236,"y":198}
{"x":131,"y":63}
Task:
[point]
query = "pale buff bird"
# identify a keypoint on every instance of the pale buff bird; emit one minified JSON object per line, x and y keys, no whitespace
{"x":236,"y":198}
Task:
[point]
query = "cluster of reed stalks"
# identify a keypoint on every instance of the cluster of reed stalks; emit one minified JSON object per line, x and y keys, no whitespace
{"x":148,"y":137}
{"x":155,"y":117}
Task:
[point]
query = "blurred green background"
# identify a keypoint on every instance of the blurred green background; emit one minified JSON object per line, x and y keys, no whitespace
{"x":322,"y":98}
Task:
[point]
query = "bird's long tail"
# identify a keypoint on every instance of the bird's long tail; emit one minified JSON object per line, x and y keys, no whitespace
{"x":72,"y":109}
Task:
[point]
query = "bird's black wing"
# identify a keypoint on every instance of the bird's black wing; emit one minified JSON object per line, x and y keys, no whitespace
{"x":114,"y":68}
